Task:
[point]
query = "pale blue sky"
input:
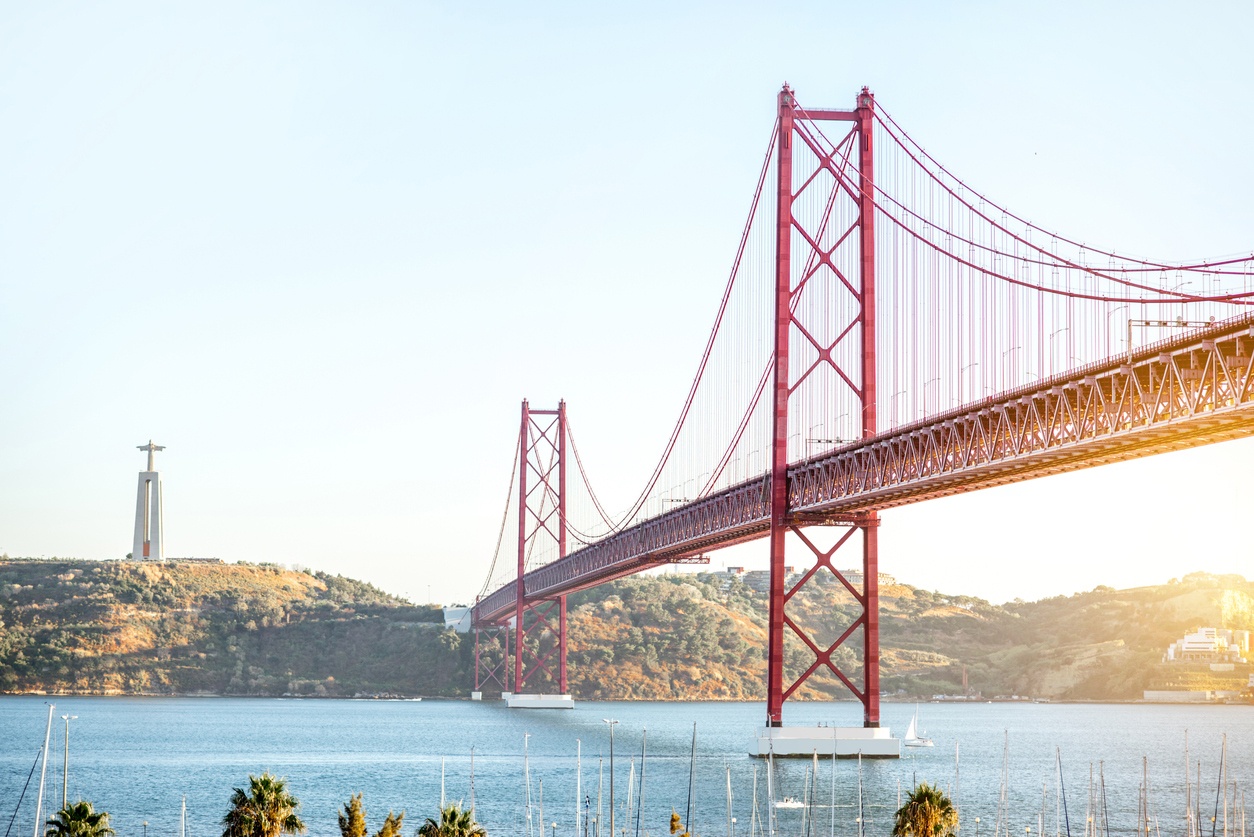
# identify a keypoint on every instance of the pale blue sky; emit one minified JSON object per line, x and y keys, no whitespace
{"x":322,"y":250}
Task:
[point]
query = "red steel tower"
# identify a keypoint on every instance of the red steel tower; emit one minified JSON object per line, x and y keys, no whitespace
{"x":801,"y":153}
{"x":541,"y":526}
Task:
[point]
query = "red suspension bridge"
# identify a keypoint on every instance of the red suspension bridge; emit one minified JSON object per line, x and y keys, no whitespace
{"x":887,"y":335}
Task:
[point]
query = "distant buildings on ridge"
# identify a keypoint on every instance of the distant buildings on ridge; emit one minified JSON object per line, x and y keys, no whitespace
{"x":1210,"y":645}
{"x":760,"y":580}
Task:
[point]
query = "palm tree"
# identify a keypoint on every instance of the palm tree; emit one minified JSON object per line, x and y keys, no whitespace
{"x":454,"y":822}
{"x":79,"y":820}
{"x":353,"y":818}
{"x":267,"y":810}
{"x":927,"y":813}
{"x":393,"y":824}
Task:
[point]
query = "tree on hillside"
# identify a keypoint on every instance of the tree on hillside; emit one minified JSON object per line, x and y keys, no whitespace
{"x":268,"y":809}
{"x":79,"y":820}
{"x":454,"y":822}
{"x":927,"y":813}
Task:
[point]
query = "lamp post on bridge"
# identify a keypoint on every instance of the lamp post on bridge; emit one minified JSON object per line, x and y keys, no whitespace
{"x":962,"y":372}
{"x":1004,"y":383}
{"x":1108,"y":313}
{"x":892,"y":405}
{"x":927,"y":384}
{"x":1051,"y":348}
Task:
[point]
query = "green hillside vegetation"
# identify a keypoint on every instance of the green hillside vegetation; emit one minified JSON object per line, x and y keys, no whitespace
{"x":189,"y":628}
{"x":113,"y":627}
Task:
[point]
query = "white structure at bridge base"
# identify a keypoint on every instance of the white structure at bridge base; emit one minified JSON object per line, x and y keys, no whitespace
{"x":538,"y":701}
{"x":847,"y":742}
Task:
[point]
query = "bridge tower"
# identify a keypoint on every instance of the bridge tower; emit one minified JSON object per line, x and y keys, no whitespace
{"x":541,"y":529}
{"x":800,"y":253}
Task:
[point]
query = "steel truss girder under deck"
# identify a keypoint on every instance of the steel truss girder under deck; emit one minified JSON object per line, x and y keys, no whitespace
{"x":1193,"y":389}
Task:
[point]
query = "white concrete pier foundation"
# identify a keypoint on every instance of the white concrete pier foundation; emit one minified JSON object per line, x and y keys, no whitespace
{"x":538,"y":701}
{"x":847,"y":742}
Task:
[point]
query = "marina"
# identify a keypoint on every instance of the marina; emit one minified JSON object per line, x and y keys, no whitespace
{"x":139,"y":757}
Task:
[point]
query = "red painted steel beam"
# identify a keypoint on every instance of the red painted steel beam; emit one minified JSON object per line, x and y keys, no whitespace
{"x":871,"y":523}
{"x":779,"y":415}
{"x":520,"y":585}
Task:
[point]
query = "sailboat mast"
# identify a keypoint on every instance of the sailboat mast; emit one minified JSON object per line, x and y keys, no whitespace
{"x":753,"y":808}
{"x":631,"y":787}
{"x":1101,"y":773}
{"x":1062,"y":790}
{"x":1219,"y":785}
{"x":1224,"y":762}
{"x":833,"y":795}
{"x":472,"y":783}
{"x":644,"y":749}
{"x":861,"y":813}
{"x":770,"y":790}
{"x":1188,"y":790}
{"x":527,"y":782}
{"x":43,"y":772}
{"x":578,"y":781}
{"x":957,"y":786}
{"x":692,"y":765}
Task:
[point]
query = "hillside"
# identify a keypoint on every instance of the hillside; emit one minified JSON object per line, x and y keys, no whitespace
{"x":681,"y":637}
{"x":183,"y":628}
{"x":112,"y":627}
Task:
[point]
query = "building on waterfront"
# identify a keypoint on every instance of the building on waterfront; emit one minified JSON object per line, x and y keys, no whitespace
{"x":1177,"y":696}
{"x":1210,"y":645}
{"x":148,"y":524}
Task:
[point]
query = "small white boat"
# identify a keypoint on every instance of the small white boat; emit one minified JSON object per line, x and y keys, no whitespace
{"x":913,"y":738}
{"x":790,"y":802}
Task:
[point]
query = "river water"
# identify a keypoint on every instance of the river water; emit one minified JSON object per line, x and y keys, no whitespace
{"x":138,"y":757}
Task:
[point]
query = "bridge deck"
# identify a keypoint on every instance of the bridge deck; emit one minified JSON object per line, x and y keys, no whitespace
{"x":1190,"y":390}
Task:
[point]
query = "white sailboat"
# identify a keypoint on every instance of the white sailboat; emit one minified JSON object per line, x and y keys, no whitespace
{"x":913,"y":738}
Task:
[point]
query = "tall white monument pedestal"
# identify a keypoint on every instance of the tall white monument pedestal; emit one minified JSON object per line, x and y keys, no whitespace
{"x":147,"y":545}
{"x":846,"y":742}
{"x":539,"y":701}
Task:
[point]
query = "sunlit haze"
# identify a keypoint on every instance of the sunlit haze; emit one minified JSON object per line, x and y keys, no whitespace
{"x":322,"y":251}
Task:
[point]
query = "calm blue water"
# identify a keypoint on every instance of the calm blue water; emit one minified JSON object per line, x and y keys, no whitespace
{"x":136,"y":758}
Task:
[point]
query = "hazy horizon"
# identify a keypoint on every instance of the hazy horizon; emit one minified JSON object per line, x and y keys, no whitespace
{"x":321,"y":253}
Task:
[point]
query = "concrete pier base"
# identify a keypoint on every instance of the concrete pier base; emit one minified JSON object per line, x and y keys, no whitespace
{"x":539,"y":701}
{"x":476,"y":695}
{"x":846,"y":742}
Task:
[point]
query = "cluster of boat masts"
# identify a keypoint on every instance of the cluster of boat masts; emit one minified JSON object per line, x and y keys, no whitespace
{"x":1227,"y":817}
